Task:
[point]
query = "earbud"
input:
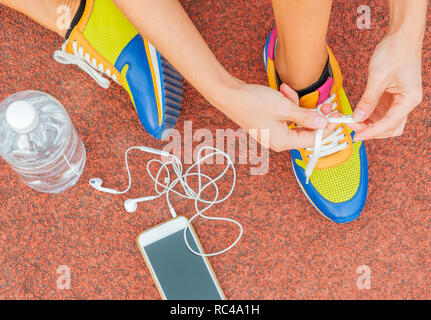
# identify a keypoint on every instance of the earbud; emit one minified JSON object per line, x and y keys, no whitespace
{"x":96,"y":183}
{"x":132,"y":204}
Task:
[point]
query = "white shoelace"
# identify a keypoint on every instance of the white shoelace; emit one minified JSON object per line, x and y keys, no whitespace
{"x":331,"y":144}
{"x":85,"y":63}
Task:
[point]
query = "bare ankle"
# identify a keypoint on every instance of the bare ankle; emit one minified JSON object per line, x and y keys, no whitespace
{"x":297,"y":71}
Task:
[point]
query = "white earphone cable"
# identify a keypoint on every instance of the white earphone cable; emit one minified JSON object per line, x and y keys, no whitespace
{"x":128,"y":170}
{"x":189,"y":193}
{"x":167,"y":186}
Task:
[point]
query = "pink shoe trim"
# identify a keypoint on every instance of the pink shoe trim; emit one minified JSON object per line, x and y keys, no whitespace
{"x":325,"y":91}
{"x":271,"y":45}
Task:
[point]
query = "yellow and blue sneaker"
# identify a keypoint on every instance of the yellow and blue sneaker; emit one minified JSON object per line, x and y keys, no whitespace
{"x":334,"y":174}
{"x":101,"y":41}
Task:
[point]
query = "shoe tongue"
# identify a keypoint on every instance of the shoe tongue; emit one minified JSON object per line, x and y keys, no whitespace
{"x":315,"y":98}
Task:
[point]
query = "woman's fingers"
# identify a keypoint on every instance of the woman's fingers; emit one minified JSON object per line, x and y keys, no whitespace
{"x":370,"y":98}
{"x":282,"y":138}
{"x":392,"y":121}
{"x":289,"y":93}
{"x":301,"y":116}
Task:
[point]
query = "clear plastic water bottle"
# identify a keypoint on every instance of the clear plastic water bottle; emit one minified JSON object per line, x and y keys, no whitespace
{"x":39,"y":141}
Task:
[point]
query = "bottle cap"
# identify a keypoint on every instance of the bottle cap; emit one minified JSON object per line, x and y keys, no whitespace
{"x":22,"y":117}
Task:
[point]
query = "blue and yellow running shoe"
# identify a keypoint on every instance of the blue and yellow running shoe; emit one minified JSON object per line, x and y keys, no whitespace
{"x":103,"y":42}
{"x":336,"y":181}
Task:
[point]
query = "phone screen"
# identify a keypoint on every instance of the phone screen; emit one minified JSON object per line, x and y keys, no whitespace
{"x":181,"y":274}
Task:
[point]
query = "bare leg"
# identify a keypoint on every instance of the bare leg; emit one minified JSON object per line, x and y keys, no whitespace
{"x":52,"y":14}
{"x":301,"y":52}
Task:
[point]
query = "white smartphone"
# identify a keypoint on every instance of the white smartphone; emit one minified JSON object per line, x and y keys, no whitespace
{"x":179,"y":274}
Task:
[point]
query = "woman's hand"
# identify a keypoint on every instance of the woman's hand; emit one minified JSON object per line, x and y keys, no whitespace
{"x":260,"y":107}
{"x":393,"y":90}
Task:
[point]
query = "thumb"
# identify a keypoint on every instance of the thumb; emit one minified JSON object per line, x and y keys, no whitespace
{"x":289,"y":93}
{"x":307,"y":118}
{"x":369,"y":100}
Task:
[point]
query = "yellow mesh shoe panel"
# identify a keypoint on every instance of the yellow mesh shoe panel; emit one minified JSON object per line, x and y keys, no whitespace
{"x":340,"y":183}
{"x":108,"y":30}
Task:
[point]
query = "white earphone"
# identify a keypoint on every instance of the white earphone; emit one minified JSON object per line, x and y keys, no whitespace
{"x":96,"y":183}
{"x":131,"y":205}
{"x":168,"y":186}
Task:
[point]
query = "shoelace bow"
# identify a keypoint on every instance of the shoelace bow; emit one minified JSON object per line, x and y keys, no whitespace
{"x":331,"y":144}
{"x":85,"y":63}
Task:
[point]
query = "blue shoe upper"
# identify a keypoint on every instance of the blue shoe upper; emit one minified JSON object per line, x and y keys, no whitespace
{"x":140,"y":82}
{"x":338,"y":212}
